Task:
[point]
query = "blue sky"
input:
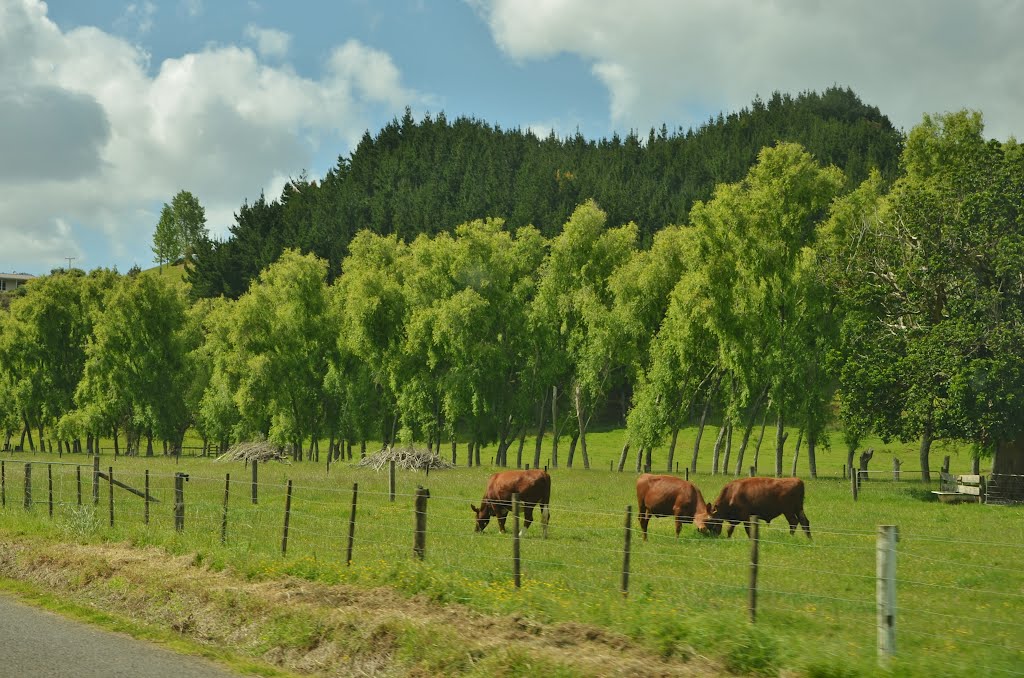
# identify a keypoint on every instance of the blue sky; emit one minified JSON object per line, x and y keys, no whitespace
{"x":108,"y":108}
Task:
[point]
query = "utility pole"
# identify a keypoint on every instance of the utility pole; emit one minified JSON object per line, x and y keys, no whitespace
{"x":70,"y":259}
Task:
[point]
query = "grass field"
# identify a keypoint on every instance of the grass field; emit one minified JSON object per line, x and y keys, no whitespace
{"x":960,"y":571}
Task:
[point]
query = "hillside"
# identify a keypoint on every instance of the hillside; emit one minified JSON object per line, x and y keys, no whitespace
{"x":429,"y":176}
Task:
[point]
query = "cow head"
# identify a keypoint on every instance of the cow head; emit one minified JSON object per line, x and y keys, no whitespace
{"x":708,"y":522}
{"x":483,"y":515}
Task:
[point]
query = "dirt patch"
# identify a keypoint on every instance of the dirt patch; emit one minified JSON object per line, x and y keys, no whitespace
{"x":324,"y":630}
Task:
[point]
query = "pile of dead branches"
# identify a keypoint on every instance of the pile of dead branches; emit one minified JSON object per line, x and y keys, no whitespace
{"x":409,"y":458}
{"x":255,"y":450}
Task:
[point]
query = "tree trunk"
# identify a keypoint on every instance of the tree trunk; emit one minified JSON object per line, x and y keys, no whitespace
{"x":578,"y":396}
{"x":796,"y":453}
{"x":751,"y":416}
{"x":718,"y":447}
{"x":572,"y":449}
{"x":469,"y":454}
{"x":1009,"y":457}
{"x":850,"y":451}
{"x":519,"y":452}
{"x":700,"y":425}
{"x":728,"y":448}
{"x":149,"y":444}
{"x":925,"y":449}
{"x":639,"y":458}
{"x":812,"y":461}
{"x":624,"y":455}
{"x":117,"y":445}
{"x":672,"y":446}
{"x":362,"y":449}
{"x":780,"y":441}
{"x":554,"y":427}
{"x":540,"y":431}
{"x":476,"y":452}
{"x":647,"y":460}
{"x":31,"y":443}
{"x":760,"y":439}
{"x":455,"y":453}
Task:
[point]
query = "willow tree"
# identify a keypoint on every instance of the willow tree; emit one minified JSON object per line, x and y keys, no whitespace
{"x":753,"y":236}
{"x":574,"y":300}
{"x":283,"y":342}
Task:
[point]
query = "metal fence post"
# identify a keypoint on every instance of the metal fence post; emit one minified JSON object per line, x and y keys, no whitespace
{"x":755,"y":539}
{"x":624,"y":586}
{"x":179,"y":500}
{"x":419,"y":547}
{"x":352,"y":524}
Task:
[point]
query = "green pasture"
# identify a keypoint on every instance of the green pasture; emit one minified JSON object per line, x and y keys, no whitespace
{"x":960,"y":593}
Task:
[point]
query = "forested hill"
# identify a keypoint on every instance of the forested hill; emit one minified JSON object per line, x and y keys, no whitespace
{"x":429,"y":176}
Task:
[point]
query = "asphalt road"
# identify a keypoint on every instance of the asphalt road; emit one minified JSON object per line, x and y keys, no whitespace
{"x":36,"y":643}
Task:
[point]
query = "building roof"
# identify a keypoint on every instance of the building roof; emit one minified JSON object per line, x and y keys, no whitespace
{"x":16,"y":276}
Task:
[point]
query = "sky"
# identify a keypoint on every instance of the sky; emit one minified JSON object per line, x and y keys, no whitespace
{"x":108,"y":108}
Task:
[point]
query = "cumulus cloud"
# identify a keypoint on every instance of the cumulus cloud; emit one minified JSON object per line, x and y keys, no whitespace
{"x":669,"y":61}
{"x":95,"y":141}
{"x":270,"y":43}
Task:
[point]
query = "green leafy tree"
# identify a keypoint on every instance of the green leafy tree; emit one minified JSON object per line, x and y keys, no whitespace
{"x":574,"y":299}
{"x":181,"y":230}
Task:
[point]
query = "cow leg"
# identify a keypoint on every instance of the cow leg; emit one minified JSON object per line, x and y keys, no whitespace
{"x":732,"y":526}
{"x":545,"y":516}
{"x":792,"y":519}
{"x":806,"y":524}
{"x":527,"y":518}
{"x":679,"y":525}
{"x":502,"y":515}
{"x":645,"y":518}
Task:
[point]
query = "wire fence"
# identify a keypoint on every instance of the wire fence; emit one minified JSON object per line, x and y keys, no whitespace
{"x":957,"y":593}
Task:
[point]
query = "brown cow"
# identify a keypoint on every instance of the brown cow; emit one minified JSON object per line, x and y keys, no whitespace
{"x":669,"y":496}
{"x":766,"y":498}
{"x":533,"y":487}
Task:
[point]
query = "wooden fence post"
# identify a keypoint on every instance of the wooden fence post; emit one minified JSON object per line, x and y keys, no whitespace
{"x":516,"y":578}
{"x":391,"y":480}
{"x":145,"y":500}
{"x":896,"y":463}
{"x":755,"y":539}
{"x":49,"y":488}
{"x":352,"y":524}
{"x":96,"y":480}
{"x":255,"y":481}
{"x":110,"y":477}
{"x":78,"y":483}
{"x":885,"y":591}
{"x":224,"y":515}
{"x":28,"y":487}
{"x":287,"y":516}
{"x":624,"y":586}
{"x":687,"y":472}
{"x":419,"y":547}
{"x":854,"y":483}
{"x":179,"y":500}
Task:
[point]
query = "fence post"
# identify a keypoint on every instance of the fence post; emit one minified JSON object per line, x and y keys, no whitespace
{"x":624,"y":586}
{"x":3,"y":484}
{"x":255,"y":480}
{"x":110,"y":477}
{"x":352,"y":524}
{"x":885,"y":591}
{"x":96,"y":480}
{"x":755,"y":539}
{"x":224,"y":515}
{"x":391,"y":480}
{"x":516,"y":578}
{"x":78,"y":483}
{"x":687,"y":472}
{"x":49,"y":488}
{"x":145,"y":500}
{"x":896,"y":469}
{"x":28,"y":487}
{"x":853,"y":483}
{"x":844,"y":471}
{"x":419,"y":547}
{"x":179,"y":500}
{"x":753,"y":470}
{"x":287,"y":516}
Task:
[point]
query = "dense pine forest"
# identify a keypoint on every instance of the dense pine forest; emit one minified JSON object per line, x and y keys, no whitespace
{"x":429,"y":176}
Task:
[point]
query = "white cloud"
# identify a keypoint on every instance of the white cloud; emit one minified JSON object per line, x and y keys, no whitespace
{"x":193,"y":8}
{"x":137,"y":18}
{"x":94,"y":142}
{"x":270,"y":43}
{"x":660,"y":59}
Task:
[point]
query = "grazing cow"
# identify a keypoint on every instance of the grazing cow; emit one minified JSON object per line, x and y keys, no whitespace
{"x":669,"y":496}
{"x":533,"y":487}
{"x":766,"y":498}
